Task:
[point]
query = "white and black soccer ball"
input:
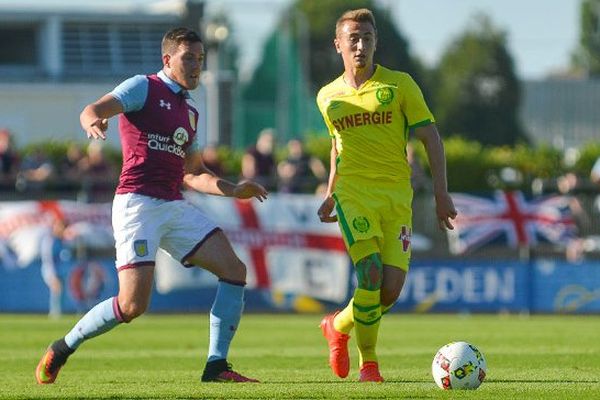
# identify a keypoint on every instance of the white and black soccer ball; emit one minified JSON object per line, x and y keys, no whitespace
{"x":458,"y":365}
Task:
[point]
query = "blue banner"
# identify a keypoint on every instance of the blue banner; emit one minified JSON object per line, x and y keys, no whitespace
{"x":561,"y":287}
{"x":478,"y":286}
{"x":543,"y":286}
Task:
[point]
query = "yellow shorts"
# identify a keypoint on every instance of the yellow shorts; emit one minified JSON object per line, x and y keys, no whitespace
{"x":376,"y":210}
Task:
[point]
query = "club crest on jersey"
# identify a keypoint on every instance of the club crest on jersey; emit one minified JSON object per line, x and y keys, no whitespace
{"x":141,"y":248}
{"x":405,"y":236}
{"x":164,"y":104}
{"x":361,"y":224}
{"x":180,"y":136}
{"x":384,"y":95}
{"x":192,"y":119}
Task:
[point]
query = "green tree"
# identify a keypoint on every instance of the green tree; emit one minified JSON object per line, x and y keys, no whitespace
{"x":393,"y":49}
{"x":478,"y":93}
{"x":587,"y":55}
{"x":299,"y":58}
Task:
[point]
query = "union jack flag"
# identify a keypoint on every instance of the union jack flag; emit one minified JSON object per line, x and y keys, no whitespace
{"x":509,"y":218}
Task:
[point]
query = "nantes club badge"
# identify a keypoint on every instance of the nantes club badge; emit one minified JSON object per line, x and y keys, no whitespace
{"x":384,"y":95}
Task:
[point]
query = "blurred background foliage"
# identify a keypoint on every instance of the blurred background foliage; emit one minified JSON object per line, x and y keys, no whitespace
{"x":473,"y":91}
{"x":472,"y":166}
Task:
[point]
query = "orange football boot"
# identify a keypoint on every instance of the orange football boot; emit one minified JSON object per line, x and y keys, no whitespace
{"x":48,"y":367}
{"x":339,"y":360}
{"x":369,"y":372}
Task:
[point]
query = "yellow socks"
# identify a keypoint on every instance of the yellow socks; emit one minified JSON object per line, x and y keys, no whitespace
{"x":367,"y":314}
{"x":344,"y":321}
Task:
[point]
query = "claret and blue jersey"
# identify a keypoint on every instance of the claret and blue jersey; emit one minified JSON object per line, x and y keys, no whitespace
{"x":157,"y":128}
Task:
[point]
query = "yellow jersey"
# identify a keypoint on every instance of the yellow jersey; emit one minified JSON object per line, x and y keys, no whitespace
{"x":371,"y":124}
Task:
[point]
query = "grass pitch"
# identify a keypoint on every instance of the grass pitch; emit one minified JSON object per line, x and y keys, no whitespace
{"x":161,"y":357}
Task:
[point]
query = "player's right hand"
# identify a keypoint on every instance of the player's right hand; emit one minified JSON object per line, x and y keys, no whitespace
{"x":326,"y":209}
{"x":97,"y":129}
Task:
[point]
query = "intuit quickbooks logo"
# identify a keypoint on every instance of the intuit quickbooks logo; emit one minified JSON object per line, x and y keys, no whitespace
{"x":160,"y":142}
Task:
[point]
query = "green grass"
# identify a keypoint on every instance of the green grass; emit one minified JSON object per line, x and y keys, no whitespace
{"x":161,"y":357}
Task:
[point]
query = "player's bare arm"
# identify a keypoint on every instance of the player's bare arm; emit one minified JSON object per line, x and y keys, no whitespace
{"x":198,"y":177}
{"x":94,"y":117}
{"x":326,"y":208}
{"x":434,"y":147}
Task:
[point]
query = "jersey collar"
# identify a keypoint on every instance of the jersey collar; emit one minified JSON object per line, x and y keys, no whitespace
{"x":365,"y":83}
{"x":171,"y":84}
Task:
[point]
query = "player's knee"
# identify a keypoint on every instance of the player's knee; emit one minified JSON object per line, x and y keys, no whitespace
{"x":132,"y":309}
{"x":369,"y":272}
{"x":235,"y":271}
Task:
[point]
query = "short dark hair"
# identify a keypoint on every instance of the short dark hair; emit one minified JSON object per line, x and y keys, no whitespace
{"x":360,"y":15}
{"x":176,"y":36}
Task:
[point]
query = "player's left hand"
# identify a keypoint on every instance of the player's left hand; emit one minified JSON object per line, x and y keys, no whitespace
{"x":326,"y":209}
{"x":445,"y":210}
{"x":249,"y":189}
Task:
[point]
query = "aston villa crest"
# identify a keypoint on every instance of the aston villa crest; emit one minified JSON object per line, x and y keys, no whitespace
{"x":192,"y":119}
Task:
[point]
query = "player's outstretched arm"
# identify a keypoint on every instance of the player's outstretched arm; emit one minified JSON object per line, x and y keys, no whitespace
{"x":434,"y":147}
{"x":201,"y":179}
{"x":94,"y":117}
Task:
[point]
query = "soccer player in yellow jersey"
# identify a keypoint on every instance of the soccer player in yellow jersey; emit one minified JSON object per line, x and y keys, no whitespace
{"x":370,"y":111}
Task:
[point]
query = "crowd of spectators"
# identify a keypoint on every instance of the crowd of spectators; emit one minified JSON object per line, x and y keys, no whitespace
{"x":294,"y":172}
{"x":35,"y":171}
{"x":284,"y":167}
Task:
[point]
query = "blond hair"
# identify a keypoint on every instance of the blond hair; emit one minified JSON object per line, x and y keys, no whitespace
{"x":359,"y":15}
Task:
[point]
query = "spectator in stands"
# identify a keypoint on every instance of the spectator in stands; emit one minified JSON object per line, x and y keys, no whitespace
{"x":94,"y":164}
{"x":35,"y":171}
{"x":595,"y":173}
{"x":8,"y":156}
{"x":210,"y":157}
{"x":98,"y":174}
{"x":70,"y":166}
{"x":8,"y":258}
{"x":566,"y":185}
{"x":299,"y":172}
{"x":54,"y":252}
{"x":258,"y":163}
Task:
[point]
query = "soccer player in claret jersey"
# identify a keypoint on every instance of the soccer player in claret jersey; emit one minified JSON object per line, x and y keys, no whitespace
{"x":369,"y":111}
{"x":157,"y":126}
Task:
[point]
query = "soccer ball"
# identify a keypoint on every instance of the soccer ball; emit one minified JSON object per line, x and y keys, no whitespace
{"x":458,"y":365}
